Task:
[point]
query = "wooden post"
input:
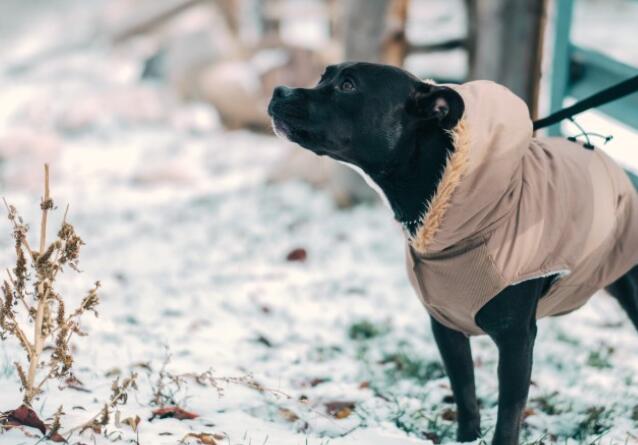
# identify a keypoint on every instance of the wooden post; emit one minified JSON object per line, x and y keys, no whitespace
{"x":374,"y":31}
{"x":506,"y":42}
{"x":395,"y":44}
{"x":560,"y":59}
{"x":363,"y":29}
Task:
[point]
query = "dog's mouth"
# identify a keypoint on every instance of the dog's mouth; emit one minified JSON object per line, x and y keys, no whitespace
{"x":289,"y":123}
{"x":294,"y":133}
{"x":280,"y":128}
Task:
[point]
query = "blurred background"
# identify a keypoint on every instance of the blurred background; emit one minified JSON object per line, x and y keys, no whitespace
{"x":235,"y":250}
{"x":137,"y":60}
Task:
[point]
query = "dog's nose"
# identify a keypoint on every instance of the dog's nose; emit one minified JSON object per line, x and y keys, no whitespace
{"x":281,"y":92}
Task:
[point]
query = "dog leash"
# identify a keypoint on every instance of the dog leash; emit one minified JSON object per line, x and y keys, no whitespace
{"x":622,"y":89}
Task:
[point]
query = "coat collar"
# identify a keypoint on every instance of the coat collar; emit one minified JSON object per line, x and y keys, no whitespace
{"x":483,"y":174}
{"x":455,"y":167}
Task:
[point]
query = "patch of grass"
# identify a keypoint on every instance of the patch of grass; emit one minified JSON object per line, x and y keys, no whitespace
{"x":6,"y":369}
{"x":425,"y":425}
{"x":324,"y":353}
{"x":597,"y":421}
{"x":405,"y":366}
{"x":365,"y":330}
{"x":562,"y":336}
{"x":543,"y":440}
{"x":600,"y":359}
{"x":548,"y":404}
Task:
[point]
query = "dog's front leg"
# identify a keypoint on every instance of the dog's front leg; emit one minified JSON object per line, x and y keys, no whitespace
{"x":510,"y":320}
{"x":457,"y":358}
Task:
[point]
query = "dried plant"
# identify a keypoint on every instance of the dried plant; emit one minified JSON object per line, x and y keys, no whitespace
{"x":169,"y":388}
{"x":119,"y":396}
{"x":29,"y":301}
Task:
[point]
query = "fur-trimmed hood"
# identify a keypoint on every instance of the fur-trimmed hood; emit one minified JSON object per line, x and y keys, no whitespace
{"x":483,"y":173}
{"x":511,"y":207}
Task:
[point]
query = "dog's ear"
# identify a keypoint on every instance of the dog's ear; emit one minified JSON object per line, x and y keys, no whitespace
{"x":441,"y":103}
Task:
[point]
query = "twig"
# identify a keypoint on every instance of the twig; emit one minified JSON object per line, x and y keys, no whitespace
{"x":45,"y":206}
{"x":42,"y":296}
{"x":15,"y":226}
{"x":86,"y":424}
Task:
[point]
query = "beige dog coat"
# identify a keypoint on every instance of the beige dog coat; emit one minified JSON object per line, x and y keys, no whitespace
{"x":511,"y":207}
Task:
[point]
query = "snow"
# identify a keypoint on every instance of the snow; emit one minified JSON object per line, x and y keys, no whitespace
{"x":189,"y":240}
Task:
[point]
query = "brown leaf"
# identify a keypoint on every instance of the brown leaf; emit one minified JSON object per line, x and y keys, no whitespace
{"x":364,"y":385}
{"x":298,"y":254}
{"x":25,"y":416}
{"x":204,"y":438}
{"x":432,"y":436}
{"x":173,"y":412}
{"x":318,"y":381}
{"x":448,"y":414}
{"x":73,"y":382}
{"x":57,"y":437}
{"x":340,"y":410}
{"x":133,"y":422}
{"x":288,"y":415}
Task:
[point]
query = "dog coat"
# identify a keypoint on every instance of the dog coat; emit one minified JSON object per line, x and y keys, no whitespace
{"x":511,"y":207}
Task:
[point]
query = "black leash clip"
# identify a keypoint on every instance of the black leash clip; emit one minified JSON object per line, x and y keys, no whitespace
{"x":587,"y":144}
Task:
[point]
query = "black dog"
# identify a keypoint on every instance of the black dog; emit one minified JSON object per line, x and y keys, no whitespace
{"x":392,"y":127}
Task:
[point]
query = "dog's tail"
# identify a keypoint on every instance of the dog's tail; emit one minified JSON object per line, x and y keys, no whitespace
{"x":633,"y":178}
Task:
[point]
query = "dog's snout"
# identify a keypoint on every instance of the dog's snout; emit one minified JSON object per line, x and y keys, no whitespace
{"x":281,"y":92}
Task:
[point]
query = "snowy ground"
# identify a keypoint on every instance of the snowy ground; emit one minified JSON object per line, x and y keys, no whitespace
{"x":190,"y":244}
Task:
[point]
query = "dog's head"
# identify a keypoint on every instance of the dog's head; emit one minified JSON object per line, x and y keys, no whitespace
{"x":361,"y":112}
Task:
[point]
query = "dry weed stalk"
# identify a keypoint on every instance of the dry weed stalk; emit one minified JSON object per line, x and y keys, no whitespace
{"x":119,"y":396}
{"x":169,"y":386}
{"x":28,"y":297}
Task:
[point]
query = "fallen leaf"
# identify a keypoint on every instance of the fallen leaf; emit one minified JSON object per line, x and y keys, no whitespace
{"x":264,"y":341}
{"x":340,"y":410}
{"x":57,"y":437}
{"x":448,"y":414}
{"x":298,"y":254}
{"x":528,"y":412}
{"x":288,"y":415}
{"x":73,"y":382}
{"x":318,"y":381}
{"x":25,"y":416}
{"x":133,"y":422}
{"x":432,"y":436}
{"x":204,"y":438}
{"x":174,"y":412}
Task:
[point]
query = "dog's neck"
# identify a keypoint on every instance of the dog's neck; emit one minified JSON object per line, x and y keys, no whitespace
{"x":412,"y":183}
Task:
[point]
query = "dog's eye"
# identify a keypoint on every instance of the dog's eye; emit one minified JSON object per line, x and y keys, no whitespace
{"x":347,"y":85}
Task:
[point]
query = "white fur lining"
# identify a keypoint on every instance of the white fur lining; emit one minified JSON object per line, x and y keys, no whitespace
{"x":560,"y":272}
